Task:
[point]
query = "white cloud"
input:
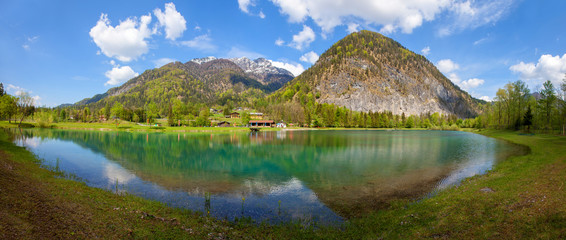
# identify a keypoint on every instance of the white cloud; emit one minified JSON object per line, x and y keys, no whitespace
{"x":202,"y":42}
{"x":29,"y":41}
{"x":480,"y":41}
{"x":296,"y":9}
{"x":172,"y":20}
{"x":405,"y":15}
{"x":14,"y":90}
{"x":548,"y":67}
{"x":279,"y":42}
{"x":471,"y":83}
{"x":447,"y":66}
{"x":303,"y":39}
{"x":126,"y":41}
{"x":32,"y":39}
{"x":36,"y":100}
{"x":162,"y":61}
{"x":485,"y":98}
{"x":237,"y":53}
{"x":352,"y":27}
{"x":295,"y":68}
{"x":455,"y":78}
{"x":471,"y":14}
{"x":119,"y":75}
{"x":244,"y":4}
{"x":17,"y":90}
{"x":426,"y":50}
{"x":310,"y":57}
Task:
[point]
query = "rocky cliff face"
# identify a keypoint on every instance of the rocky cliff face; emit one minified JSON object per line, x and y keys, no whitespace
{"x":367,"y":71}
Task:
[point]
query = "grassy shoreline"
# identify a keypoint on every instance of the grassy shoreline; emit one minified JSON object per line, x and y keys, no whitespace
{"x":522,"y":197}
{"x":125,"y":126}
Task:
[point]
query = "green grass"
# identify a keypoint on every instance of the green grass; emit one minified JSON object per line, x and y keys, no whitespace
{"x":75,"y":210}
{"x":528,"y":202}
{"x":133,"y":127}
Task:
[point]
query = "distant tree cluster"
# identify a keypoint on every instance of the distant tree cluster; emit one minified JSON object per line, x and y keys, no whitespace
{"x":313,"y":114}
{"x":514,"y":107}
{"x":20,"y":106}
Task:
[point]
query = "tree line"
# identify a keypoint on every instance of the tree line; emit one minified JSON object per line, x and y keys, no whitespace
{"x":514,"y":107}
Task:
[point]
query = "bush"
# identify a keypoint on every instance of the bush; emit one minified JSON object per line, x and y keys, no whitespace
{"x":43,"y":119}
{"x":452,"y":127}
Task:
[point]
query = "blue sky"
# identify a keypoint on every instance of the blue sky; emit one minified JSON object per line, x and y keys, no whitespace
{"x":64,"y":51}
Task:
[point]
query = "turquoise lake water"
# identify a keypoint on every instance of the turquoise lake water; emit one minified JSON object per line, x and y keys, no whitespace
{"x":319,"y":177}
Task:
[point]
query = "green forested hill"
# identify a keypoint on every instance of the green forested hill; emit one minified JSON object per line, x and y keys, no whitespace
{"x":359,"y":76}
{"x":215,"y":82}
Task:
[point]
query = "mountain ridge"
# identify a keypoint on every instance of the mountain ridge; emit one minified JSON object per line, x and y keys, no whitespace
{"x":209,"y":78}
{"x":363,"y":72}
{"x":366,"y":71}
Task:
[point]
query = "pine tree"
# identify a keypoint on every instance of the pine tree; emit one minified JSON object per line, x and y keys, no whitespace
{"x":528,"y":118}
{"x":170,"y":118}
{"x":107,"y":111}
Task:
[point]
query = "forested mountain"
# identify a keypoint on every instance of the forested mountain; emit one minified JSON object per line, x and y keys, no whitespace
{"x":199,"y":81}
{"x":360,"y":76}
{"x":368,"y":72}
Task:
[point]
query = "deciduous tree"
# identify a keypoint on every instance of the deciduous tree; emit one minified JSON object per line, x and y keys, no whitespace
{"x":8,"y":107}
{"x":117,"y":110}
{"x":246,"y":118}
{"x":547,"y":100}
{"x":25,"y":105}
{"x":563,"y":105}
{"x":202,"y":119}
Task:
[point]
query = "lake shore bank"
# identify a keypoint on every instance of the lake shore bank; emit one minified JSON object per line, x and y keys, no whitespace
{"x":525,"y":201}
{"x":133,"y":127}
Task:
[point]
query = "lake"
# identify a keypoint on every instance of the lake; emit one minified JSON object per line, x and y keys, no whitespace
{"x":314,"y":177}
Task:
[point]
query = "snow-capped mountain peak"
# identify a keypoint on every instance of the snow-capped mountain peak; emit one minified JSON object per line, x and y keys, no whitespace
{"x":260,"y":66}
{"x":203,"y":60}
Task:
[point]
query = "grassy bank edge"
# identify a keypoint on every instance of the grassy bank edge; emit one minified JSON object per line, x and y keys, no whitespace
{"x":460,"y":212}
{"x":520,"y":198}
{"x":98,"y":213}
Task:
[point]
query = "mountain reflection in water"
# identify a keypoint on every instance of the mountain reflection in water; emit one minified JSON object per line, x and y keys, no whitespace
{"x":313,"y":176}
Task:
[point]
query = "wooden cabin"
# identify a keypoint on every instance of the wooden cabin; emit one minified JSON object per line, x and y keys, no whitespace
{"x":223,"y":124}
{"x":261,"y":123}
{"x":235,"y":115}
